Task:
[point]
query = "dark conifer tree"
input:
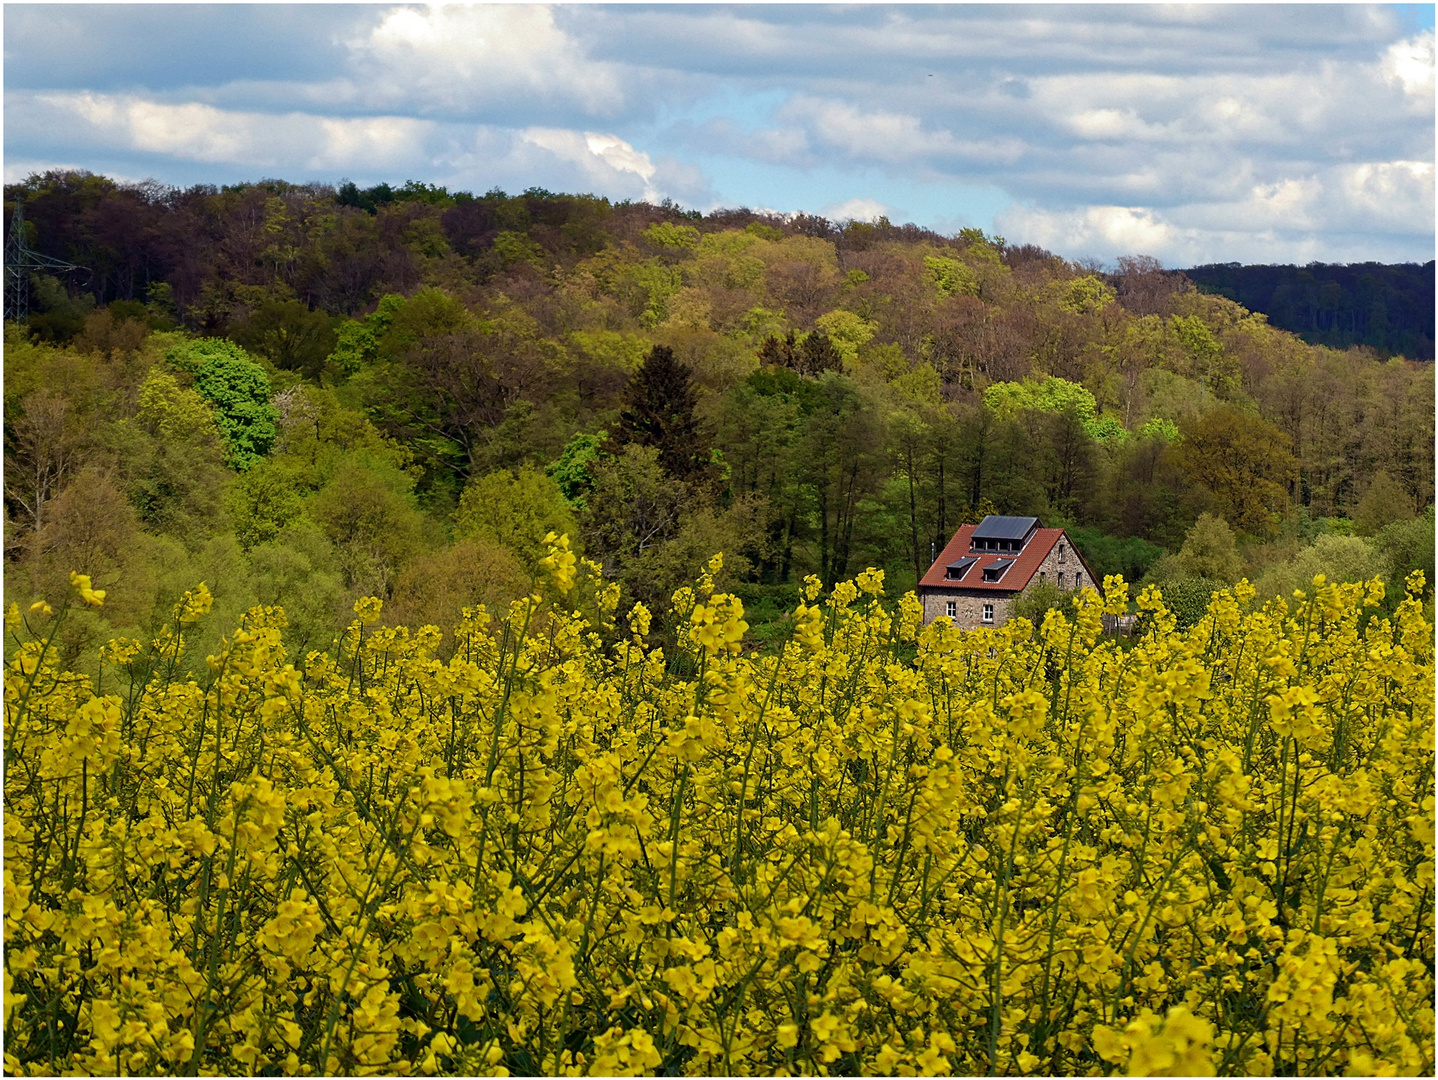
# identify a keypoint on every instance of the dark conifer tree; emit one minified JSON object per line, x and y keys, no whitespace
{"x":817,"y":355}
{"x":812,"y":357}
{"x":659,"y":412}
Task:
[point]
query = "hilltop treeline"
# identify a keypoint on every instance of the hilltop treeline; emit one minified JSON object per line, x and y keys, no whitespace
{"x":303,"y":394}
{"x":1389,"y":308}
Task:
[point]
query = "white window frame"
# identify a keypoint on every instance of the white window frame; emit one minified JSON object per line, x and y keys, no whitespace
{"x":1078,"y":580}
{"x":988,"y":613}
{"x":951,"y":608}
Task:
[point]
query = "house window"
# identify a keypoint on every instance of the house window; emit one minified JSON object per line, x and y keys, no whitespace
{"x":1078,"y":580}
{"x":988,"y":613}
{"x":1061,"y":553}
{"x":1061,"y":579}
{"x":1041,"y":577}
{"x":951,"y":608}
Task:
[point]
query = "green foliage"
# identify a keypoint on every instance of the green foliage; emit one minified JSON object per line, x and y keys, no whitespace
{"x":173,"y":412}
{"x":514,"y":511}
{"x":1384,"y":503}
{"x":171,"y":457}
{"x":574,"y":470}
{"x":289,"y":334}
{"x":951,"y":277}
{"x":1188,"y":598}
{"x":1106,"y":429}
{"x":1157,"y":428}
{"x":299,"y":570}
{"x":514,"y":248}
{"x":634,"y":504}
{"x":623,"y":352}
{"x":261,"y":502}
{"x":978,"y":245}
{"x":1008,"y":399}
{"x":655,"y":286}
{"x":1210,"y":551}
{"x":437,"y":586}
{"x":808,"y":354}
{"x":859,"y":442}
{"x":921,"y":385}
{"x":1086,"y":295}
{"x":1337,"y":558}
{"x":763,"y":232}
{"x":1408,"y":546}
{"x":429,"y":313}
{"x":355,"y":346}
{"x":1129,"y":556}
{"x":56,"y":315}
{"x":1204,"y":357}
{"x":367,"y":511}
{"x":667,"y":234}
{"x":1244,"y":462}
{"x":1054,"y":395}
{"x":228,"y":377}
{"x":847,"y":331}
{"x":1038,"y":600}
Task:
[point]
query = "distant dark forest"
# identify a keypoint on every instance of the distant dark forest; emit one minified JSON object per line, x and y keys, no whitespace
{"x":1389,"y":308}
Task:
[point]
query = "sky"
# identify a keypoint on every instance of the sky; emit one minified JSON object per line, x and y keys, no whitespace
{"x":1191,"y":133}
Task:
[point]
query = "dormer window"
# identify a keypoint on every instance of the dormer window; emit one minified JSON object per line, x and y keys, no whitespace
{"x":956,"y":570}
{"x":995,"y":570}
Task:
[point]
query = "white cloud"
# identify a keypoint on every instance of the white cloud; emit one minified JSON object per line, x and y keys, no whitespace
{"x":1410,"y":62}
{"x":1339,"y":213}
{"x":1397,"y":195}
{"x":890,"y":137}
{"x":309,"y":144}
{"x":861,"y":209}
{"x":1093,"y":230}
{"x":444,"y":58}
{"x":597,"y":156}
{"x":17,"y":170}
{"x":203,"y":133}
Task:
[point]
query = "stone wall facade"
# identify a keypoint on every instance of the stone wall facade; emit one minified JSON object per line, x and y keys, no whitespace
{"x":1059,"y":568}
{"x":968,"y":607}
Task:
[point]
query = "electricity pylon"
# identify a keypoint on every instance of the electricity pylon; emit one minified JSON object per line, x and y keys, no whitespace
{"x":19,"y":261}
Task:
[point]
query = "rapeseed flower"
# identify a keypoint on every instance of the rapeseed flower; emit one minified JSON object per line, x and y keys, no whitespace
{"x":877,"y":848}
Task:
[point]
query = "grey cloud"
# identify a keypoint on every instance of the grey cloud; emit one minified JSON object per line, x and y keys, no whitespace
{"x":160,"y":46}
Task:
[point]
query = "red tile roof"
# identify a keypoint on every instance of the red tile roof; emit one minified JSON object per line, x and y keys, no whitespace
{"x":1026,"y":563}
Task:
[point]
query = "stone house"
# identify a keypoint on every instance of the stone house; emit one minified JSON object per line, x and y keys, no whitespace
{"x":984,"y":568}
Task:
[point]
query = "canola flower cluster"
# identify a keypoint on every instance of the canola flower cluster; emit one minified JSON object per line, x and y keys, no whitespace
{"x":880,"y":849}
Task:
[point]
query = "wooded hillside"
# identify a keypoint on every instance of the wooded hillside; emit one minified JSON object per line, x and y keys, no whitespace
{"x":303,"y":394}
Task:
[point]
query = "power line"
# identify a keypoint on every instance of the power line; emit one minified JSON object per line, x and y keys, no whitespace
{"x":20,"y":260}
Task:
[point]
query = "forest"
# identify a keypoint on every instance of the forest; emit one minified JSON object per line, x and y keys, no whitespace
{"x":306,"y":394}
{"x":1389,"y":308}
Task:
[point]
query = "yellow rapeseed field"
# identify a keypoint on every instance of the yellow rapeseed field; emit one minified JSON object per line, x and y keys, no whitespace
{"x":879,"y":850}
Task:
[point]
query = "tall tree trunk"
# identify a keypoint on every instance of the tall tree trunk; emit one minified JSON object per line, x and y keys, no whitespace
{"x":913,"y":516}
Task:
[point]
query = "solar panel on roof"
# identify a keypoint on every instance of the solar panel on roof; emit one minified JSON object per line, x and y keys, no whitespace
{"x":997,"y":527}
